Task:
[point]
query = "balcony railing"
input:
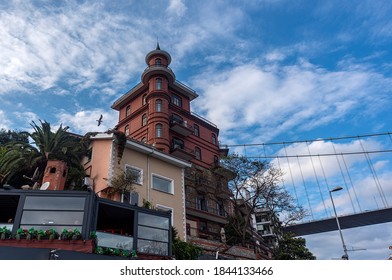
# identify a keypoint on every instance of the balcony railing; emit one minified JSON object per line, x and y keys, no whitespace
{"x":182,"y":152}
{"x":181,"y":126}
{"x":204,"y":208}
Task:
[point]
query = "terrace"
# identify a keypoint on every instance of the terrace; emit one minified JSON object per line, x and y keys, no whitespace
{"x":117,"y":226}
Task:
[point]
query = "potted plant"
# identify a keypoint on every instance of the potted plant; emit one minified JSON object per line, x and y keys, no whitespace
{"x":65,"y":234}
{"x":76,"y":234}
{"x":4,"y":233}
{"x":20,"y":232}
{"x":41,"y":234}
{"x":52,"y":234}
{"x":31,"y":233}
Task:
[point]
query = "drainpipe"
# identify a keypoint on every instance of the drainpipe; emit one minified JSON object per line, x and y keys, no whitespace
{"x":148,"y":174}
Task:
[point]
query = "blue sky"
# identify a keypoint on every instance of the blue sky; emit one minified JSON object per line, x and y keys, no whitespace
{"x":266,"y":71}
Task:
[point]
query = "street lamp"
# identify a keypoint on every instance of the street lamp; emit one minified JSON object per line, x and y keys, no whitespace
{"x":345,"y":256}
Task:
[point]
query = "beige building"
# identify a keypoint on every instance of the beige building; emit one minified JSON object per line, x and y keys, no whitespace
{"x":158,"y":178}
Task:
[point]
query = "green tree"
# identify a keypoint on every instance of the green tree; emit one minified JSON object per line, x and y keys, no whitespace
{"x":292,"y":248}
{"x":184,"y":250}
{"x":24,"y":158}
{"x":12,"y":136}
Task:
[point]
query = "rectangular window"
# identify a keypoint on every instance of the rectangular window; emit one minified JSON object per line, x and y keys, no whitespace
{"x":136,"y":173}
{"x":54,"y":203}
{"x":162,"y":184}
{"x":196,"y":130}
{"x":177,"y":100}
{"x":45,"y":212}
{"x":198,"y":153}
{"x":153,"y":221}
{"x":153,"y":233}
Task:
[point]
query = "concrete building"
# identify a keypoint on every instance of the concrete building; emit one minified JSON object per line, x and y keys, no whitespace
{"x":158,"y":178}
{"x":268,"y":226}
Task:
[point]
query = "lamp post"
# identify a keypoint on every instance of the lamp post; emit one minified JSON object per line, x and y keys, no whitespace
{"x":345,"y":256}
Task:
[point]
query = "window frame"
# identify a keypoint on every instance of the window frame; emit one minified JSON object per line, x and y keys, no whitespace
{"x":127,"y":110}
{"x":138,"y":169}
{"x":213,"y":139}
{"x":197,"y":153}
{"x":158,"y":62}
{"x":158,"y":105}
{"x":177,"y":100}
{"x":158,"y":83}
{"x":144,"y":119}
{"x":158,"y":130}
{"x":196,"y":130}
{"x":126,"y":130}
{"x":163,"y":178}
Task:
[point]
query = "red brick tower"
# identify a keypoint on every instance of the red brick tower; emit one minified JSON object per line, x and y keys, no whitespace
{"x":157,"y":111}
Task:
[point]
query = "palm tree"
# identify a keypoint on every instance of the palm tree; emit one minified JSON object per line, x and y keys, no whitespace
{"x":46,"y":145}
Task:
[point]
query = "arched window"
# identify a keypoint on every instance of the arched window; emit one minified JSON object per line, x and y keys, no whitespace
{"x":158,"y":83}
{"x":128,"y":110}
{"x":158,"y":62}
{"x":158,"y":130}
{"x":144,"y":99}
{"x":158,"y":105}
{"x":126,"y":131}
{"x":144,"y":119}
{"x":213,"y":139}
{"x":198,"y":153}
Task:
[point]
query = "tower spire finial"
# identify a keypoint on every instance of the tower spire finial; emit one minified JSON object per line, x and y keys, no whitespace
{"x":158,"y":48}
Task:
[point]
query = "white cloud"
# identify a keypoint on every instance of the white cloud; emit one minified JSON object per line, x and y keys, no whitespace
{"x":176,"y":7}
{"x":85,"y":121}
{"x":75,"y":45}
{"x":5,"y":123}
{"x":273,"y":100}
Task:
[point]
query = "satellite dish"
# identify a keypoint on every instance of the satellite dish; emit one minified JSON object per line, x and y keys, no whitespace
{"x":44,"y":186}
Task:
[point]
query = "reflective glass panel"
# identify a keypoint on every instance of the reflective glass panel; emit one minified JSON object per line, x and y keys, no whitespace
{"x":114,"y":240}
{"x":54,"y":203}
{"x":51,"y":218}
{"x":153,"y":233}
{"x":152,"y":247}
{"x":153,"y":221}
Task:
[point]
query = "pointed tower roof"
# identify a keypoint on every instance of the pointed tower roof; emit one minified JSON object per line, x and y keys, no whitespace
{"x":158,"y":52}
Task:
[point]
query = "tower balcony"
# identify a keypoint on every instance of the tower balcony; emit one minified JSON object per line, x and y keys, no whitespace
{"x":181,"y":127}
{"x":158,"y":70}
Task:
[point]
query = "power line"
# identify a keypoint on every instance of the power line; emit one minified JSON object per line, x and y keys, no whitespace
{"x":312,"y":140}
{"x":322,"y":155}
